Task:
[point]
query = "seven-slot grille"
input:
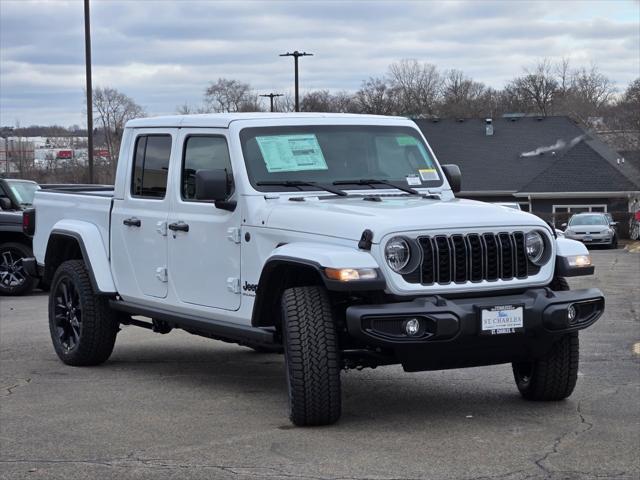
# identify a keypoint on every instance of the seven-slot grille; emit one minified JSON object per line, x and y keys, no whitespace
{"x":471,"y":257}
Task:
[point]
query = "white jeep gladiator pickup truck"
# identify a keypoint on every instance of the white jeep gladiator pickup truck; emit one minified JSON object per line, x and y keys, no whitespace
{"x":336,"y":238}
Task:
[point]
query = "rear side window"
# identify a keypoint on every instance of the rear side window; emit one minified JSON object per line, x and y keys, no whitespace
{"x":150,"y":166}
{"x":202,"y":152}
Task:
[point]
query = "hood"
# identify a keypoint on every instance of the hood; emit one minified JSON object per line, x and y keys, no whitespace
{"x":588,"y":228}
{"x":349,"y":217}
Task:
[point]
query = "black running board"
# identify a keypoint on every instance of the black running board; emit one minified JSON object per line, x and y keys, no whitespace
{"x":206,"y":327}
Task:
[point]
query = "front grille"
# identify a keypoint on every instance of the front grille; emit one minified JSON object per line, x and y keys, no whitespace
{"x":471,"y":257}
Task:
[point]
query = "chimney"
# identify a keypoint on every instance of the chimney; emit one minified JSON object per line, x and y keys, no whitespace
{"x":488,"y":128}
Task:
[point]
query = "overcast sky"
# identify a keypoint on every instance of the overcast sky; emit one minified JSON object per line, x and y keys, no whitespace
{"x":164,"y":53}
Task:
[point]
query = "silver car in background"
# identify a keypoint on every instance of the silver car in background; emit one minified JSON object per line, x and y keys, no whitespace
{"x":592,"y":229}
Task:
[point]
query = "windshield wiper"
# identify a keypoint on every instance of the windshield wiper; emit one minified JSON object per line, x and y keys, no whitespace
{"x":372,"y":181}
{"x":299,"y":183}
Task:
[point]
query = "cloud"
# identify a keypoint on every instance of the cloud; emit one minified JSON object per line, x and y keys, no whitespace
{"x":164,"y":53}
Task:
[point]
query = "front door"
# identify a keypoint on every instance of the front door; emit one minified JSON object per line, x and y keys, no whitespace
{"x":138,"y":220}
{"x":204,"y":241}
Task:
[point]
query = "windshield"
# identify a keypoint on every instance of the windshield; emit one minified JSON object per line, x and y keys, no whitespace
{"x":23,"y":191}
{"x":588,"y":220}
{"x":325,"y":154}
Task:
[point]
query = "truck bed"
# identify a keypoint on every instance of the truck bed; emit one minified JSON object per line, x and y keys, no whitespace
{"x":60,"y":206}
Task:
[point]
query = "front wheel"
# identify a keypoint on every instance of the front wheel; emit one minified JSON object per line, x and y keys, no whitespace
{"x":312,"y":357}
{"x":83,"y":327}
{"x":552,"y":377}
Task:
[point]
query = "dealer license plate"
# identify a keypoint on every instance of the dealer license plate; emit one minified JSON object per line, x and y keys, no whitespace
{"x":502,"y":319}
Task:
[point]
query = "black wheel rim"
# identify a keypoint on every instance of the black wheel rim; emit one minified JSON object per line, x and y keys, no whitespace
{"x":67,"y":314}
{"x":12,"y":274}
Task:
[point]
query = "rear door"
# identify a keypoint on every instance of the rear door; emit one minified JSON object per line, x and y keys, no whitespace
{"x":139,"y":220}
{"x":204,"y":241}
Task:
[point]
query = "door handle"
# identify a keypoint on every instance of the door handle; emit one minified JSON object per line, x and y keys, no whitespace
{"x":179,"y":227}
{"x":132,"y":222}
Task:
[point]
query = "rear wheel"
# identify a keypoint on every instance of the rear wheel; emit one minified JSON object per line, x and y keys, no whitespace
{"x":312,"y":357}
{"x":554,"y":376}
{"x":83,"y":328}
{"x":13,"y":278}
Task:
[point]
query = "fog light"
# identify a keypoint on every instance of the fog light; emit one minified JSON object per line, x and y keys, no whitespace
{"x":412,"y":327}
{"x":572,"y":314}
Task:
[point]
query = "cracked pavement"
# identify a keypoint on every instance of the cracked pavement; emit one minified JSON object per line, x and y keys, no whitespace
{"x":182,"y":407}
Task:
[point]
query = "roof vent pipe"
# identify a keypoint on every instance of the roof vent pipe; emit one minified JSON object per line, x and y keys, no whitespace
{"x":488,"y":128}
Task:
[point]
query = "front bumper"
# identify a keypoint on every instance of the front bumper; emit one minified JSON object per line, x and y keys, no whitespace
{"x":591,"y":238}
{"x":451,"y":335}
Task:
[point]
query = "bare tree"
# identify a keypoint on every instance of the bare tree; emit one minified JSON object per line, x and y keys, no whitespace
{"x":325,"y":101}
{"x":417,"y":86}
{"x":589,"y":93}
{"x":230,"y":95}
{"x":537,"y":89}
{"x":114,"y":109}
{"x":462,"y":97}
{"x":376,"y":97}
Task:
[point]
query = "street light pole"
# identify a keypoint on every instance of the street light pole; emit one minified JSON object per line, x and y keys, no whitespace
{"x":87,"y":55}
{"x":271,"y":97}
{"x":296,"y":54}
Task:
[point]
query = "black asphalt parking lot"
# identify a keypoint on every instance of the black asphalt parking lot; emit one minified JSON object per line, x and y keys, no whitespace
{"x":179,"y":407}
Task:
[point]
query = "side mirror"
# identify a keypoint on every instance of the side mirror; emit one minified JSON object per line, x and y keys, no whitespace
{"x":614,"y":224}
{"x":214,"y":185}
{"x":564,"y":225}
{"x":454,"y":177}
{"x":5,"y":204}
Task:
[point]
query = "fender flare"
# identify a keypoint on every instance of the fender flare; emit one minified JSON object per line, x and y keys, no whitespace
{"x":314,"y":258}
{"x":94,"y":252}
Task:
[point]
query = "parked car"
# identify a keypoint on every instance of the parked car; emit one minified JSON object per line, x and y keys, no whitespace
{"x":15,"y":246}
{"x":592,"y":229}
{"x":337,"y":238}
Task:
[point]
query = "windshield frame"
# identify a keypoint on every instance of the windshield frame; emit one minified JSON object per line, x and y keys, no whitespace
{"x":248,"y":132}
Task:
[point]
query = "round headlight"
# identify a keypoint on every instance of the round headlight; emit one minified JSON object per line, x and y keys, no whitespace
{"x":534,"y":243}
{"x":397,"y":253}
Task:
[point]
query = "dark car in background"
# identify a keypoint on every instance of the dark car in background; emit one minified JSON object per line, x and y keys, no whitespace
{"x":592,"y":229}
{"x":15,"y":196}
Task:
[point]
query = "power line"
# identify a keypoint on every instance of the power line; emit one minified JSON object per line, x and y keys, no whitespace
{"x":296,"y":54}
{"x":271,"y":97}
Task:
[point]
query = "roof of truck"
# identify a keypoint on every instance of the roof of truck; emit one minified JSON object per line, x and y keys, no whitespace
{"x":222,"y":120}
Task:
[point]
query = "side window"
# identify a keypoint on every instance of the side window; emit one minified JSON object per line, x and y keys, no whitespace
{"x":150,"y":166}
{"x":202,"y":152}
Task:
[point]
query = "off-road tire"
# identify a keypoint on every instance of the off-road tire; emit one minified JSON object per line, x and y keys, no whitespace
{"x":98,"y":323}
{"x":17,"y":252}
{"x":552,"y":377}
{"x":312,"y":356}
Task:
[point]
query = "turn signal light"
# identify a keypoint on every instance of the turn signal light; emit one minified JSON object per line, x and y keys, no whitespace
{"x":579,"y":261}
{"x":351,"y":274}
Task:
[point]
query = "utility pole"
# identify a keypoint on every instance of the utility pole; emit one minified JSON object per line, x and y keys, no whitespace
{"x":271,"y":97}
{"x":87,"y":56}
{"x":296,"y":54}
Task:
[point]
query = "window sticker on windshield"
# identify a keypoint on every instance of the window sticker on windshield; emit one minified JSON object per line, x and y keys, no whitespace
{"x":291,"y":153}
{"x":427,"y":174}
{"x":405,"y":140}
{"x":413,"y":180}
